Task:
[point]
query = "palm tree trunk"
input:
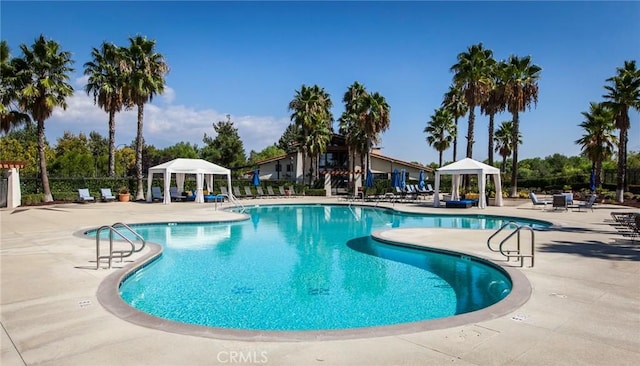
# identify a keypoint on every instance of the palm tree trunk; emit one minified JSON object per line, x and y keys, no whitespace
{"x":112,"y":143}
{"x":622,"y":165}
{"x":472,"y":120}
{"x":44,"y":176}
{"x":139,"y":142}
{"x":514,"y":163}
{"x":598,"y":173}
{"x":503,"y":168}
{"x":455,"y":142}
{"x":440,"y":160}
{"x":491,"y":118}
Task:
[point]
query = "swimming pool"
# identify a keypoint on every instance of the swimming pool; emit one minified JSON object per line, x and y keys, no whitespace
{"x":309,"y":267}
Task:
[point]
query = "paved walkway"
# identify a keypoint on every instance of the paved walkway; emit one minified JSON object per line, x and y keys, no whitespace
{"x":584,"y":308}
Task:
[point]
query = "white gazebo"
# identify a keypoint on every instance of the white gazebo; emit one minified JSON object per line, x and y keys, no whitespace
{"x":203,"y":170}
{"x":469,"y":166}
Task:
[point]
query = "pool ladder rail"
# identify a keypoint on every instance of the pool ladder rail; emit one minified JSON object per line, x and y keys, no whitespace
{"x":113,"y":229}
{"x":517,"y":253}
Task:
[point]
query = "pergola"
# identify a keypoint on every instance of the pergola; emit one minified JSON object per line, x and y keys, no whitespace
{"x":203,"y":170}
{"x":472,"y":167}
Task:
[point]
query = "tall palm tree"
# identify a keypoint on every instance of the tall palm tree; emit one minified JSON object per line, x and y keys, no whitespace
{"x":494,"y":103}
{"x":598,"y":141}
{"x":376,"y":120}
{"x":623,"y":94}
{"x":472,"y":75}
{"x":350,"y":125}
{"x":455,"y":103}
{"x":105,"y":83}
{"x":504,"y":142}
{"x":10,"y":114}
{"x":43,"y":71}
{"x":144,"y":72}
{"x":441,"y":131}
{"x":520,"y":78}
{"x":311,"y":107}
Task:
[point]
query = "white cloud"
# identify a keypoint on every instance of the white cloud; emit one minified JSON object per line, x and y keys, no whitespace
{"x":164,"y":124}
{"x":169,"y":95}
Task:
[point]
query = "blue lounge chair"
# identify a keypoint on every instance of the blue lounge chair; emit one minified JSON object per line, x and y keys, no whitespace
{"x":106,"y":195}
{"x":84,"y":195}
{"x":156,"y":194}
{"x":175,"y":195}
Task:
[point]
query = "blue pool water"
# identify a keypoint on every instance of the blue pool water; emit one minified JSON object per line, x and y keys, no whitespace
{"x":309,"y":267}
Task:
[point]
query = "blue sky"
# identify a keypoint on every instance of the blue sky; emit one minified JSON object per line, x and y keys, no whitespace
{"x":247,"y":59}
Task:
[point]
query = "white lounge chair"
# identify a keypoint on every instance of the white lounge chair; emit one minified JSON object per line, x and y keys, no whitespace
{"x":106,"y":195}
{"x":536,"y":202}
{"x":84,"y":195}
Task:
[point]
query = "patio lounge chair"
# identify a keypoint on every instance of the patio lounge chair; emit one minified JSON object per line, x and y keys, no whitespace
{"x":156,"y":194}
{"x":106,"y":195}
{"x":270,"y":192}
{"x":224,"y":191}
{"x":248,"y":193}
{"x":84,"y":196}
{"x":588,"y":204}
{"x":175,"y":195}
{"x":458,"y":204}
{"x":260,"y":192}
{"x":536,"y":202}
{"x":283,"y":193}
{"x":236,"y":192}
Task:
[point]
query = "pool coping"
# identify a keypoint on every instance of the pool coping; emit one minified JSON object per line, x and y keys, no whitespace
{"x":109,"y":297}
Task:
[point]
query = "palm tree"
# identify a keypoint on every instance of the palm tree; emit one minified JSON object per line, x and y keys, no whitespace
{"x":520,"y":83}
{"x":43,"y":78}
{"x":144,"y":72}
{"x":311,"y":108}
{"x":454,"y":102}
{"x":494,"y":103}
{"x":10,"y":114}
{"x":441,"y":131}
{"x":473,"y":77}
{"x":623,"y":94}
{"x":350,"y":122}
{"x":376,"y":120}
{"x":598,"y":142}
{"x":105,"y":82}
{"x":504,"y":142}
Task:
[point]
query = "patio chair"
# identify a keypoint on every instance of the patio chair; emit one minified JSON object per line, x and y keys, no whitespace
{"x":85,"y":196}
{"x":106,"y":195}
{"x":270,"y":192}
{"x":236,"y":192}
{"x":536,"y":202}
{"x":156,"y":194}
{"x":175,"y":195}
{"x":224,"y":191}
{"x":588,"y":204}
{"x":248,"y":192}
{"x":283,"y":193}
{"x":260,"y":192}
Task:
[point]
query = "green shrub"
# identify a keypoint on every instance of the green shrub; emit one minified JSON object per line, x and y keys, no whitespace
{"x":32,"y":199}
{"x":315,"y":192}
{"x":67,"y":196}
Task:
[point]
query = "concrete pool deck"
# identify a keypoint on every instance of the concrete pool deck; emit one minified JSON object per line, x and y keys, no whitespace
{"x":584,"y":307}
